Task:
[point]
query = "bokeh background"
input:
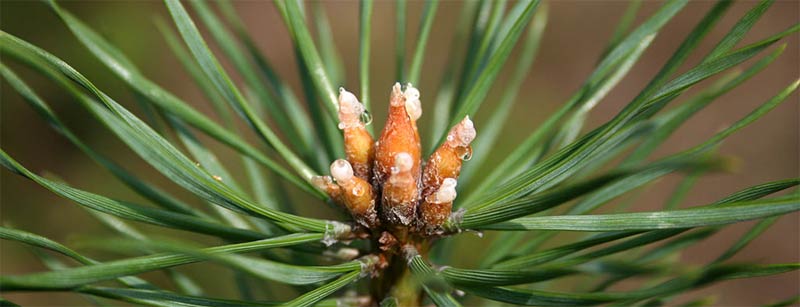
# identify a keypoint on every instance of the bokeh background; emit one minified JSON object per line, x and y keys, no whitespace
{"x":576,"y":34}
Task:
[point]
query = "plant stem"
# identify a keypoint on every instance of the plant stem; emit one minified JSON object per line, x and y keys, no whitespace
{"x":397,"y":280}
{"x":406,"y":290}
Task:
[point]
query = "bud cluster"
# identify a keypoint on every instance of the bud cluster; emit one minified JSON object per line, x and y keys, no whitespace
{"x":385,"y":182}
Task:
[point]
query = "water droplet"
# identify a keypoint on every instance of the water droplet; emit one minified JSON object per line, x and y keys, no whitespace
{"x":366,"y":117}
{"x":465,"y":153}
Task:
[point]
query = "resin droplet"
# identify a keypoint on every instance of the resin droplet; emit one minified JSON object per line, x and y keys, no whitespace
{"x":341,"y":171}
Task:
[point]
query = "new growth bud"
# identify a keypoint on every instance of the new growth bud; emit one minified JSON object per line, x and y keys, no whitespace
{"x":400,"y":192}
{"x":385,"y":177}
{"x":398,"y":135}
{"x":358,"y":144}
{"x":442,"y":170}
{"x":355,"y":193}
{"x":446,"y":161}
{"x":435,"y":208}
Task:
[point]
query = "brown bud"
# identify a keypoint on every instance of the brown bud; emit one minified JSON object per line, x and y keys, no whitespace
{"x":399,"y":134}
{"x":435,"y":208}
{"x":400,"y":192}
{"x":446,"y":161}
{"x":358,"y":144}
{"x":356,"y":193}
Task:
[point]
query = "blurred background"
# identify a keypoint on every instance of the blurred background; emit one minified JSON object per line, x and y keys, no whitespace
{"x":576,"y":34}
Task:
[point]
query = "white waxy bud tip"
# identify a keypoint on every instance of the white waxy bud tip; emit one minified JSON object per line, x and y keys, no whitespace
{"x":403,"y":162}
{"x":413,"y":105}
{"x":397,"y":93}
{"x":349,"y":109}
{"x":464,"y":132}
{"x":446,"y":192}
{"x":341,"y":170}
{"x":411,"y":92}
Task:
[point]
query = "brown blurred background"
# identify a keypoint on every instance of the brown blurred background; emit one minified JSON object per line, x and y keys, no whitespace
{"x":576,"y":34}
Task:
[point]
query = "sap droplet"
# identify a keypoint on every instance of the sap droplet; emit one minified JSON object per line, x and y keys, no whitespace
{"x":341,"y":171}
{"x":365,"y":118}
{"x":465,"y":153}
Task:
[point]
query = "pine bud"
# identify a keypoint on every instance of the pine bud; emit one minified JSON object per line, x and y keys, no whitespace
{"x":400,"y":191}
{"x":441,"y":171}
{"x":399,"y":134}
{"x":358,"y":144}
{"x":356,"y":193}
{"x":435,"y":209}
{"x":446,"y":161}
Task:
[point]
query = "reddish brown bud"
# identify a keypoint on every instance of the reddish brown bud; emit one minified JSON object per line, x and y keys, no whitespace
{"x":356,"y":193}
{"x":435,"y":208}
{"x":399,"y":134}
{"x":446,"y":161}
{"x":358,"y":144}
{"x":386,"y":177}
{"x":441,"y":172}
{"x":400,"y":192}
